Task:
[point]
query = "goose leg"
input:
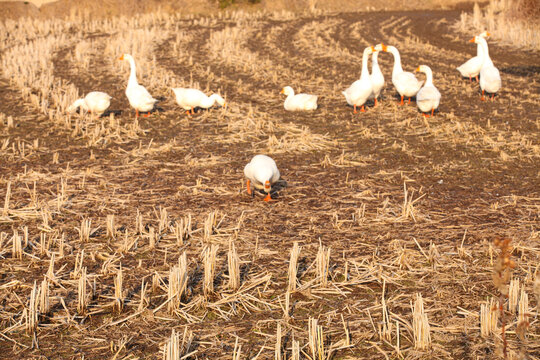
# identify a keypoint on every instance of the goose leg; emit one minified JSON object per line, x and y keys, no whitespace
{"x":147,"y":114}
{"x":362,"y":109}
{"x":248,"y":185}
{"x":409,"y":101}
{"x":432,"y":111}
{"x":483,"y":98}
{"x":267,"y":198}
{"x":477,"y":78}
{"x":425,"y":115}
{"x":375,"y":101}
{"x":402,"y":103}
{"x":136,"y":113}
{"x":355,"y":109}
{"x":192,"y":111}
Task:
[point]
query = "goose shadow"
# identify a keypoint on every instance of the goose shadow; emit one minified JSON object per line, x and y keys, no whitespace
{"x":521,"y":70}
{"x":276,"y":188}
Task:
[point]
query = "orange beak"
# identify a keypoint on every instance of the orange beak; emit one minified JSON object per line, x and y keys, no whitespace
{"x":282,"y":91}
{"x":417,"y":69}
{"x":487,"y":33}
{"x":472,"y":40}
{"x":373,"y":49}
{"x":384,"y":47}
{"x":121,"y":57}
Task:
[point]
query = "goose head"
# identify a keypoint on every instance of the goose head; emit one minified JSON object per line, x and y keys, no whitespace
{"x":127,"y":57}
{"x":369,"y":50}
{"x":422,"y":68}
{"x":475,"y":39}
{"x":287,"y":90}
{"x":267,"y":186}
{"x":218,"y":99}
{"x":485,"y":34}
{"x":381,"y":47}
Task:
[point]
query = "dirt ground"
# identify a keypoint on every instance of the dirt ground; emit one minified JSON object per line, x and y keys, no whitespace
{"x":407,"y":205}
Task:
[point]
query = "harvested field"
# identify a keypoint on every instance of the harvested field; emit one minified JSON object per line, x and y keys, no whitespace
{"x":135,"y":239}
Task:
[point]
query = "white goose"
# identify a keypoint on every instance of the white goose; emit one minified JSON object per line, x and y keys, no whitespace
{"x":405,"y":82}
{"x":262,"y":173}
{"x":298,"y":102}
{"x":139,"y":98}
{"x":490,"y":78}
{"x":95,"y":102}
{"x":471,"y":68}
{"x":189,"y":99}
{"x":428,"y":97}
{"x":377,"y":78}
{"x":360,"y":90}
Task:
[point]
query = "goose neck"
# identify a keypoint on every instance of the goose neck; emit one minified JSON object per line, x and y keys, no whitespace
{"x":486,"y":58}
{"x":429,"y":77}
{"x":397,"y":59}
{"x":133,"y":71}
{"x":365,"y":71}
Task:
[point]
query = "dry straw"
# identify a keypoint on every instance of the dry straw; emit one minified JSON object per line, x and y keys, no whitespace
{"x":237,"y":352}
{"x":81,"y":292}
{"x":489,"y":316}
{"x":143,"y":303}
{"x":139,"y":224}
{"x":178,"y":278}
{"x":323,"y":265}
{"x":111,"y":231}
{"x":210,"y":225}
{"x":277,"y":351}
{"x":176,"y":348}
{"x":32,"y":311}
{"x":44,"y":304}
{"x":385,"y":331}
{"x":5,"y":211}
{"x":50,"y":272}
{"x":513,"y":295}
{"x":421,"y":328}
{"x":17,"y":248}
{"x":523,"y":309}
{"x":182,"y":229}
{"x":84,"y":230}
{"x":118,"y":290}
{"x":163,"y":220}
{"x":209,"y":262}
{"x":233,"y":263}
{"x":151,"y":237}
{"x":316,"y":340}
{"x":295,"y":352}
{"x":293,"y":267}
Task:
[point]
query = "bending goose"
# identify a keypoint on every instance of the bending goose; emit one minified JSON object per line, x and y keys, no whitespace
{"x":428,"y":97}
{"x":471,"y":68}
{"x":139,"y":98}
{"x":95,"y":102}
{"x":490,"y":78}
{"x":298,"y":102}
{"x":360,"y":90}
{"x":377,"y":78}
{"x":189,"y":99}
{"x":405,"y":82}
{"x":261,"y":173}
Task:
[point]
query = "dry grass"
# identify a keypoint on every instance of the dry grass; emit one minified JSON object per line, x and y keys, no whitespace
{"x":513,"y":22}
{"x":135,"y":239}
